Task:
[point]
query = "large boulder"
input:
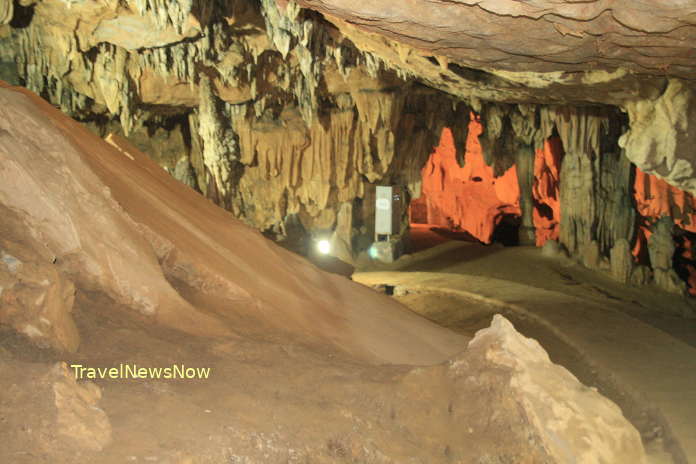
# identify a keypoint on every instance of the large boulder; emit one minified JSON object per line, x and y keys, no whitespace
{"x":515,"y":405}
{"x":36,"y":298}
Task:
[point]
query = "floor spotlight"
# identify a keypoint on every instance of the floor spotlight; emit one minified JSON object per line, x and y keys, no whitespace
{"x":324,"y":247}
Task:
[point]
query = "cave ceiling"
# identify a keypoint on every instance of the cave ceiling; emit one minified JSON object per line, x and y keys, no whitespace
{"x":268,"y":87}
{"x":604,"y":51}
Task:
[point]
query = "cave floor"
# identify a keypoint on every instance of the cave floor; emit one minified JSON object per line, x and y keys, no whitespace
{"x":634,"y":344}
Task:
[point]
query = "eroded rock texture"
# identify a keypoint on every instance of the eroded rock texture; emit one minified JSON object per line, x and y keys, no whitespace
{"x":500,"y":363}
{"x":36,"y":298}
{"x":277,"y":116}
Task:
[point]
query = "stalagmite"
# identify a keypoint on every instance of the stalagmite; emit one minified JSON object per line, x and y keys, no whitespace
{"x":564,"y":124}
{"x":621,"y":260}
{"x":287,"y":115}
{"x":525,"y":176}
{"x":661,"y":249}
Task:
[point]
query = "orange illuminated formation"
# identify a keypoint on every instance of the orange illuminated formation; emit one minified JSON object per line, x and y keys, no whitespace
{"x":467,"y":198}
{"x":471,"y":199}
{"x":656,"y":198}
{"x":546,"y":192}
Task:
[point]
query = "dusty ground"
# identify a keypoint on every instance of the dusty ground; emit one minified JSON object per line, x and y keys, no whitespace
{"x":264,"y":402}
{"x":438,"y":253}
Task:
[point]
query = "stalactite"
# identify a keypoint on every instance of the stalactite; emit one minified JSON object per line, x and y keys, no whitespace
{"x":288,"y":118}
{"x":6,"y":11}
{"x":166,"y":13}
{"x":467,"y":198}
{"x":523,"y":123}
{"x":113,"y":83}
{"x":497,"y":139}
{"x":659,"y":134}
{"x":524,"y":157}
{"x":219,"y":142}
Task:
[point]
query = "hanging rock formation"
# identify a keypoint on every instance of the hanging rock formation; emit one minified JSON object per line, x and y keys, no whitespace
{"x":660,"y":138}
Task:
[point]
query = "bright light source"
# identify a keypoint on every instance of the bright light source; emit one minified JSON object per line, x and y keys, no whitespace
{"x":324,"y":247}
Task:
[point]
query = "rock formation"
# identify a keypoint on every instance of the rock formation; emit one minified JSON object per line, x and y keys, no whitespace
{"x":57,"y":417}
{"x":573,"y":118}
{"x":469,"y":198}
{"x":97,"y":215}
{"x":546,"y":190}
{"x":37,"y":299}
{"x":288,"y":113}
{"x":109,"y":220}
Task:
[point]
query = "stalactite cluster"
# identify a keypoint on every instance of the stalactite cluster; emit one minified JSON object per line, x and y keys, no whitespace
{"x":240,"y":80}
{"x":6,"y":11}
{"x":289,"y":118}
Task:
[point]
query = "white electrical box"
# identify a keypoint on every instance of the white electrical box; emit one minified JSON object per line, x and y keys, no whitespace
{"x":388,"y":205}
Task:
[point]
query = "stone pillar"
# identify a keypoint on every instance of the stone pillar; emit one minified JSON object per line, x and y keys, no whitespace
{"x":578,"y":212}
{"x":661,"y":249}
{"x":524,"y":159}
{"x":342,"y":237}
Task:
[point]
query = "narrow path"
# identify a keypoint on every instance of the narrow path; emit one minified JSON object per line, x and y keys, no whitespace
{"x":651,"y":368}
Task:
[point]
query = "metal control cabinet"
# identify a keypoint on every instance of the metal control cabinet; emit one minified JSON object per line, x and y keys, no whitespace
{"x":388,"y":208}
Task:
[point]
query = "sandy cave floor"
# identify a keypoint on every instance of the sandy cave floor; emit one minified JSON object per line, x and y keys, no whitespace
{"x":462,"y":264}
{"x":261,"y":388}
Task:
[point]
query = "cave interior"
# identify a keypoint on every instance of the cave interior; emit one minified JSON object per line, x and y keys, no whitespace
{"x":538,"y":153}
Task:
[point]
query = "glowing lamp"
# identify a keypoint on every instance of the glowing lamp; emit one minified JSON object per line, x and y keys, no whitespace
{"x":324,"y":247}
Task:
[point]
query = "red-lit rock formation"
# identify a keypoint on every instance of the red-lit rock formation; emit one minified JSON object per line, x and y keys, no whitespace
{"x":547,"y":203}
{"x":655,"y":199}
{"x":469,"y":198}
